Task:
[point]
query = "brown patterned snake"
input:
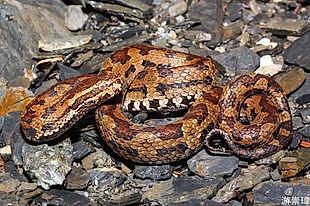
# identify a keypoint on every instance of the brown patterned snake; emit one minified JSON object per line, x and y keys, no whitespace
{"x":155,"y":79}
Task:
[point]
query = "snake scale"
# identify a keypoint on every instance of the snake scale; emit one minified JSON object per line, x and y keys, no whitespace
{"x":147,"y":78}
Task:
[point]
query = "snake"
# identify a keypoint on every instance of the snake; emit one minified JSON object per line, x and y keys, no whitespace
{"x":141,"y":78}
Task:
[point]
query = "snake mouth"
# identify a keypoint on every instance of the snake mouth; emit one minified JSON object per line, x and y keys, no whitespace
{"x":155,"y":118}
{"x":216,"y":144}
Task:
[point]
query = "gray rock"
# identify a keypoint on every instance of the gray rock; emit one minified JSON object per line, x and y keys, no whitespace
{"x":234,"y":11}
{"x":45,"y":85}
{"x":177,"y":8}
{"x":281,"y":193}
{"x":159,"y":172}
{"x":297,"y":137}
{"x":48,"y":165}
{"x":99,"y":159}
{"x":8,"y":184}
{"x":238,"y":61}
{"x":22,"y":32}
{"x":66,"y":72}
{"x":297,"y":122}
{"x":128,"y":197}
{"x":233,"y":30}
{"x":242,"y":183}
{"x":11,"y":199}
{"x":128,"y":13}
{"x":275,"y":175}
{"x":62,"y":197}
{"x":104,"y":179}
{"x":288,"y":27}
{"x":298,"y":52}
{"x":75,"y":18}
{"x":110,"y":186}
{"x":291,"y":80}
{"x":271,"y":159}
{"x":234,"y":203}
{"x":77,"y":179}
{"x":211,"y":15}
{"x":64,"y":42}
{"x":206,"y":165}
{"x":305,"y":114}
{"x":138,"y":4}
{"x":196,"y":202}
{"x":80,"y":150}
{"x":11,"y":135}
{"x":183,"y":190}
{"x":305,"y":131}
{"x":302,"y":95}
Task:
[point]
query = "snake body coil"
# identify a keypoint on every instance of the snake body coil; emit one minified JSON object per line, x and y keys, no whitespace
{"x":155,"y":79}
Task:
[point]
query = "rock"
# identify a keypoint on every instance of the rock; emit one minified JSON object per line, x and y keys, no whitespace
{"x":305,"y":143}
{"x":211,"y":15}
{"x":80,"y":150}
{"x":5,"y":152}
{"x":104,"y":179}
{"x":206,"y":165}
{"x":238,"y":61}
{"x":116,"y":9}
{"x":127,"y":197}
{"x":297,"y":138}
{"x":10,"y":134}
{"x":302,"y":96}
{"x":48,"y":165}
{"x":183,"y":190}
{"x":234,"y":11}
{"x":266,"y":46}
{"x":98,"y":159}
{"x":68,"y":42}
{"x":160,"y":172}
{"x":111,"y":186}
{"x":288,"y":27}
{"x":234,"y":203}
{"x":12,"y":200}
{"x":22,"y":31}
{"x":45,"y":85}
{"x":75,"y":18}
{"x":305,"y":131}
{"x":83,"y":58}
{"x":66,"y":72}
{"x":275,"y":175}
{"x":288,"y":166}
{"x":273,"y":159}
{"x":297,"y":161}
{"x":297,"y":122}
{"x":281,"y":193}
{"x":196,"y":202}
{"x":241,"y":183}
{"x":11,"y":185}
{"x":268,"y":67}
{"x":8,"y":184}
{"x":267,"y":42}
{"x":297,"y":53}
{"x":197,"y":36}
{"x":177,"y":8}
{"x":61,"y":197}
{"x":77,"y":179}
{"x":26,"y":187}
{"x":232,"y":30}
{"x":291,"y":80}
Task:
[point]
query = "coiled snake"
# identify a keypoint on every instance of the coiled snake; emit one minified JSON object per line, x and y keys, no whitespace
{"x":156,"y":79}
